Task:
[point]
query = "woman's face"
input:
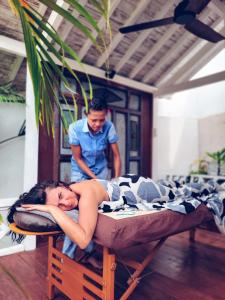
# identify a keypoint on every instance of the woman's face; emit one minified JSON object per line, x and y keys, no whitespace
{"x":96,"y":119}
{"x":62,"y":197}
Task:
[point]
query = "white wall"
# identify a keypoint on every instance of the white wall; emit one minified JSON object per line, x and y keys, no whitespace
{"x":179,"y":137}
{"x":177,"y":145}
{"x":19,"y":159}
{"x":212,"y":131}
{"x":11,"y":152}
{"x":12,"y":117}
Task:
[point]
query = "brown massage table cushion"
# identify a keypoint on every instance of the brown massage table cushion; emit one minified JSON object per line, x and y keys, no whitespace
{"x":129,"y":231}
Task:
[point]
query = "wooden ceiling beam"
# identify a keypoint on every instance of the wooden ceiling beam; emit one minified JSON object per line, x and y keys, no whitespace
{"x":196,"y":62}
{"x":67,"y":29}
{"x":166,"y":36}
{"x":12,"y":46}
{"x":100,"y":73}
{"x":14,"y":68}
{"x":118,"y":37}
{"x":55,"y":19}
{"x":83,"y":51}
{"x":206,"y":80}
{"x":42,"y":9}
{"x":142,"y":36}
{"x":172,"y":53}
{"x":218,"y":7}
{"x":19,"y":60}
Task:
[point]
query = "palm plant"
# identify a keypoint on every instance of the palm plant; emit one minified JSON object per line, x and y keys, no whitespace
{"x":199,"y":166}
{"x":219,"y":157}
{"x":9,"y":95}
{"x":43,"y":58}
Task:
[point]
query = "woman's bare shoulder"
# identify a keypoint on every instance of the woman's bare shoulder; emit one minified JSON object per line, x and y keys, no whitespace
{"x":90,"y":186}
{"x":82,"y":184}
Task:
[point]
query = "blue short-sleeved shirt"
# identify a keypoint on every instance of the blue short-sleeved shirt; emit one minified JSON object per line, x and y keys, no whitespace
{"x":92,"y":145}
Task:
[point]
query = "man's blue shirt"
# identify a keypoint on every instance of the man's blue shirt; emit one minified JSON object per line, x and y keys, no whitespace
{"x":92,"y":145}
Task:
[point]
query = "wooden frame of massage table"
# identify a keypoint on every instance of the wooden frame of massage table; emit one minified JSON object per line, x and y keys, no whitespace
{"x":78,"y":282}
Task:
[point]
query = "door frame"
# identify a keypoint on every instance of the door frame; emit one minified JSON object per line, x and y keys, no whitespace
{"x":49,"y":148}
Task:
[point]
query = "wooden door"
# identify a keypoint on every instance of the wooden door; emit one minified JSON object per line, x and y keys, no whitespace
{"x":131,"y":112}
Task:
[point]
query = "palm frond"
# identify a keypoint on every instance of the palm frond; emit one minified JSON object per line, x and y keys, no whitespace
{"x":43,"y":59}
{"x":105,"y":37}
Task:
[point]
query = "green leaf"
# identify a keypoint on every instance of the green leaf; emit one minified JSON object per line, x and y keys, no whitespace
{"x":69,"y":17}
{"x":8,"y":94}
{"x":66,"y":48}
{"x":42,"y":56}
{"x":84,"y":13}
{"x":98,"y":5}
{"x":32,"y":57}
{"x":55,"y":37}
{"x":1,"y":219}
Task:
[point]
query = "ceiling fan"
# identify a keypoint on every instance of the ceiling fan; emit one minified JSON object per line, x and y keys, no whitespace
{"x":184,"y":14}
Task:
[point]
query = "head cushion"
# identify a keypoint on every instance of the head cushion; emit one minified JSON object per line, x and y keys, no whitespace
{"x":34,"y":220}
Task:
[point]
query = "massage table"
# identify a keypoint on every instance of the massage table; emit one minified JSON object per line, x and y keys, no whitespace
{"x":114,"y":232}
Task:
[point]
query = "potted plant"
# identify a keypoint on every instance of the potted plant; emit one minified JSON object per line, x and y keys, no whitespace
{"x":199,"y":166}
{"x":219,"y":158}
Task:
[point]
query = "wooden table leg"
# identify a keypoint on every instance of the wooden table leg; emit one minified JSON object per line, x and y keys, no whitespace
{"x":51,"y":244}
{"x":109,"y":267}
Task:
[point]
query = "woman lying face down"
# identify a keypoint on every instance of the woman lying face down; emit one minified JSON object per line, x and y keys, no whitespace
{"x":56,"y":198}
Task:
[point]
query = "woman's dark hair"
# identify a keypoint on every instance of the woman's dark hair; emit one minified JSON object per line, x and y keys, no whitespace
{"x":97,"y":104}
{"x":37,"y":195}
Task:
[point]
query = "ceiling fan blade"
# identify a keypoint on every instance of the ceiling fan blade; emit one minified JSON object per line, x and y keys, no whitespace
{"x":146,"y":25}
{"x":204,"y":31}
{"x":196,"y":6}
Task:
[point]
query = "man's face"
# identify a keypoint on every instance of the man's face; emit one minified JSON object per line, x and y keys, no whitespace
{"x":96,"y":120}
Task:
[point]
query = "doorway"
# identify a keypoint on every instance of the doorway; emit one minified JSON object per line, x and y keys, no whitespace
{"x":130,"y":110}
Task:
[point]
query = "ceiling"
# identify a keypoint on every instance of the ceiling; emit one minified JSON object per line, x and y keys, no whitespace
{"x":160,"y":60}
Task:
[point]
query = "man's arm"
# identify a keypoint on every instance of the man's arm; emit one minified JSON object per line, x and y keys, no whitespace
{"x":76,"y":150}
{"x":116,"y":159}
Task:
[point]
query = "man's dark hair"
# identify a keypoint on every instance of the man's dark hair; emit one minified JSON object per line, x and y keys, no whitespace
{"x":97,"y":104}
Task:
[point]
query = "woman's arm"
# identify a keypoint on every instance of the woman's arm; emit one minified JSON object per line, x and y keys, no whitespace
{"x":76,"y":150}
{"x":82,"y":232}
{"x":116,"y":159}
